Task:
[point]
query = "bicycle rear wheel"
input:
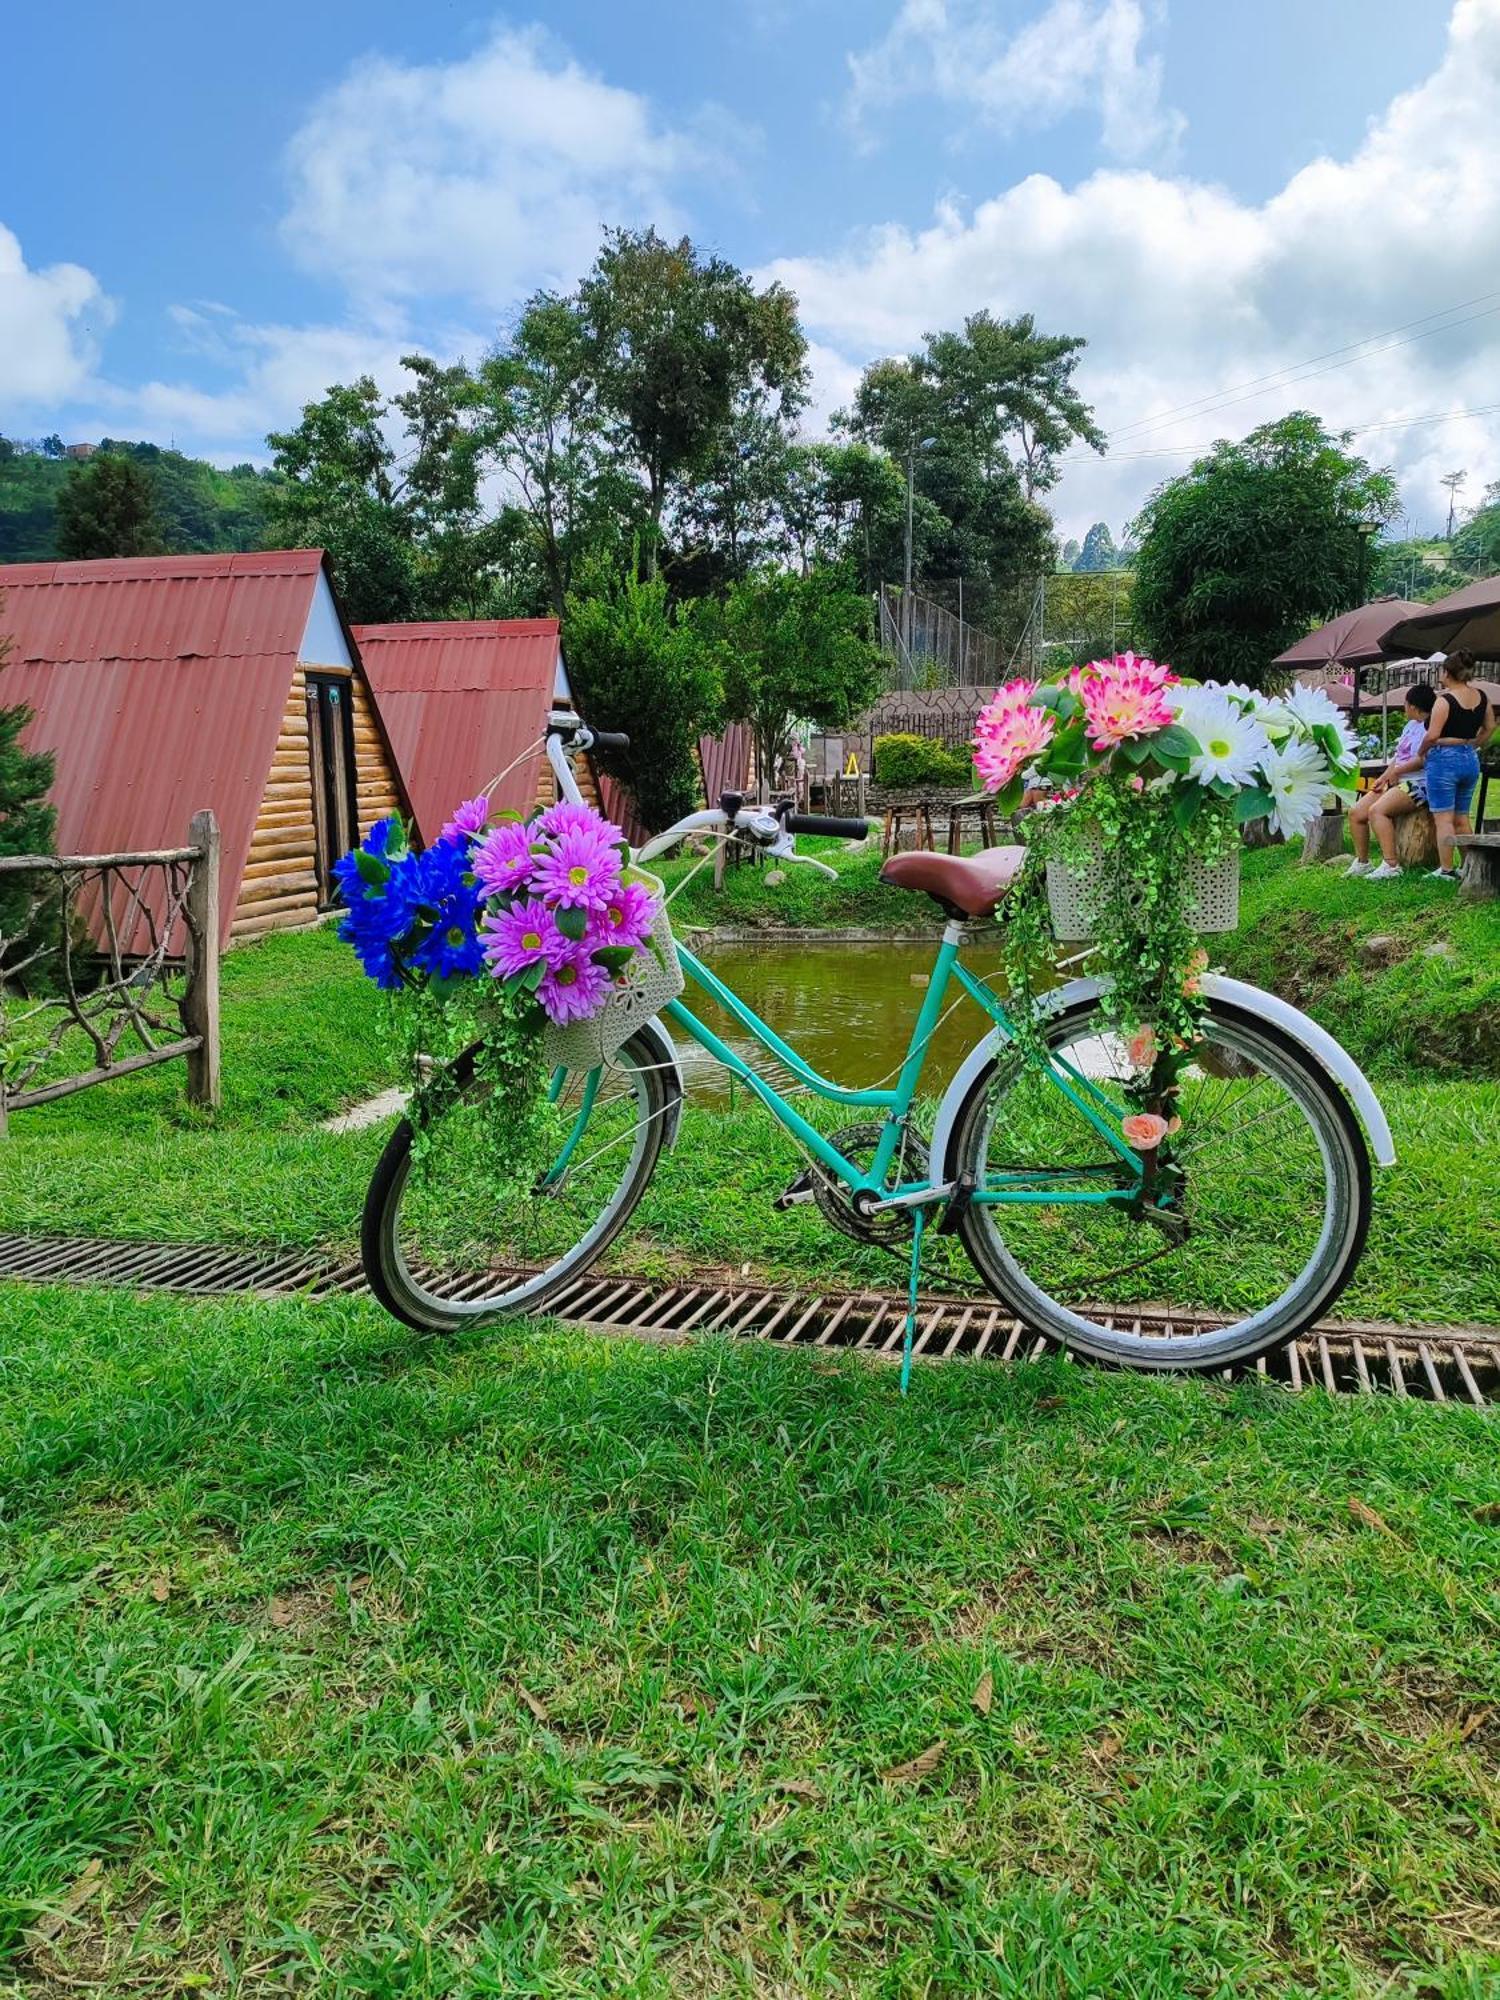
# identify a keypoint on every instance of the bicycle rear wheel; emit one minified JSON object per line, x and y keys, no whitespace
{"x":444,"y":1246}
{"x":1256,"y":1242}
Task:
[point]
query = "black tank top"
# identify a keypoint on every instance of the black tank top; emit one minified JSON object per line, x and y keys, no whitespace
{"x":1464,"y":723}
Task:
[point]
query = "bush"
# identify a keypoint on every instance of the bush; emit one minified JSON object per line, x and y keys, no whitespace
{"x":920,"y":760}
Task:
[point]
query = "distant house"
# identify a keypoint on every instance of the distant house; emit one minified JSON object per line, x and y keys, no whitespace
{"x":163,"y":684}
{"x":79,"y":450}
{"x":466,"y":703}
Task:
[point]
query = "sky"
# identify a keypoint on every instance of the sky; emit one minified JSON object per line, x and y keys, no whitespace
{"x":209,"y":215}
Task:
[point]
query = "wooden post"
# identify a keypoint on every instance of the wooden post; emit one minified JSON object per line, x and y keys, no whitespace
{"x":1324,"y":839}
{"x":200,"y":1002}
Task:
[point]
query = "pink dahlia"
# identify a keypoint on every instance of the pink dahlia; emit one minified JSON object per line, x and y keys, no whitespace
{"x":567,"y":817}
{"x":519,"y":936}
{"x":626,"y":918}
{"x":1009,"y":733}
{"x":506,"y":861}
{"x":471,"y":817}
{"x":582,"y":872}
{"x":574,"y":988}
{"x":1124,"y":697}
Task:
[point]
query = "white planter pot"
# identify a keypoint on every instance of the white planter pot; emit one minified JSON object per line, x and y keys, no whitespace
{"x":1074,"y":892}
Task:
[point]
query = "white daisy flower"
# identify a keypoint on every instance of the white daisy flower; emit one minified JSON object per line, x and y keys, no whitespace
{"x":1297,"y":778}
{"x":1230,"y":743}
{"x":1311,"y":706}
{"x":1273,"y":716}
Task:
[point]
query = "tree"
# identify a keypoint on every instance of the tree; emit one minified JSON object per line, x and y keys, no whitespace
{"x":52,"y":446}
{"x":1098,"y":551}
{"x":675,"y":342}
{"x":107,"y":508}
{"x":1477,"y":543}
{"x":793,"y":649}
{"x":1009,"y":389}
{"x":1252,"y":545}
{"x":27,"y":822}
{"x":638,"y":663}
{"x":538,"y":418}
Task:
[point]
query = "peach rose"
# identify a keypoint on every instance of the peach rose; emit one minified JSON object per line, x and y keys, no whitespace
{"x":1141,"y":1048}
{"x":1144,"y":1130}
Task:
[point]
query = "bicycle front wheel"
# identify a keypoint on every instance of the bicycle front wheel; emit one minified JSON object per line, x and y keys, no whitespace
{"x":1264,"y":1223}
{"x":446,"y":1244}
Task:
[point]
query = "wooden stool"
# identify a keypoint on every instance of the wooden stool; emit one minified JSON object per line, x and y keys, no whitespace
{"x":1480,"y":881}
{"x":892,"y":833}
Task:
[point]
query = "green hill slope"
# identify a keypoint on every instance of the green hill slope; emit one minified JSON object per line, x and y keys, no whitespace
{"x":202,"y":509}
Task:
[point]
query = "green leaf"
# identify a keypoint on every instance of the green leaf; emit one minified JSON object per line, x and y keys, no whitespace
{"x":1136,"y":749}
{"x":573,"y":924}
{"x":533,"y":976}
{"x":1175,"y":742}
{"x":614,"y":957}
{"x":1253,"y":803}
{"x":1187,"y":803}
{"x":371,"y":868}
{"x":1009,"y":795}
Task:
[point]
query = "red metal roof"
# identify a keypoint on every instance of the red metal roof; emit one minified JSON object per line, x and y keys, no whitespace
{"x":158,"y":683}
{"x":462,"y":699}
{"x":725,"y":761}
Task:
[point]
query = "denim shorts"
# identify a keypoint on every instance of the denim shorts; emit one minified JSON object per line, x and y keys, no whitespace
{"x":1451,"y":773}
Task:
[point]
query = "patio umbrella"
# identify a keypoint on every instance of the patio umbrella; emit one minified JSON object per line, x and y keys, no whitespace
{"x":1469,"y":618}
{"x":1353,"y":639}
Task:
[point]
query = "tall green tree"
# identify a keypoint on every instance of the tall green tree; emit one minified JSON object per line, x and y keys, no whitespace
{"x":1098,"y":551}
{"x":793,"y":648}
{"x":1009,"y":390}
{"x":108,"y":508}
{"x":640,"y":663}
{"x":1256,"y":542}
{"x":28,"y":823}
{"x":676,"y":340}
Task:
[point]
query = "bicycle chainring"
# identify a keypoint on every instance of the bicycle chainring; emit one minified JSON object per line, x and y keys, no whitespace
{"x":857,"y":1143}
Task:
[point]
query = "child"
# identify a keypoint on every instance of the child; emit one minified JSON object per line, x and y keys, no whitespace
{"x":1387,"y":799}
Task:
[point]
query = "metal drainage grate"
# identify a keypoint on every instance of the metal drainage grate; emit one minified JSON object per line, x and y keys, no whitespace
{"x":1346,"y":1357}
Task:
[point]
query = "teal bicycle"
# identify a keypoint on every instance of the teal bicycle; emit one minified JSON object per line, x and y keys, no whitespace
{"x":1244,"y":1244}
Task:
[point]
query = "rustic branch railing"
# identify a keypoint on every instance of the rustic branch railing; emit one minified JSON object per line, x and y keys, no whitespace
{"x":120,"y":950}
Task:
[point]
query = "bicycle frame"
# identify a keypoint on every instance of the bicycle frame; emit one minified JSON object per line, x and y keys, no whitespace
{"x":896,"y":1102}
{"x":1085,"y":1097}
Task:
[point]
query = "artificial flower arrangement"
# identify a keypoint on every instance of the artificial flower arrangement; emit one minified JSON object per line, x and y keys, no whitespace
{"x":490,"y":934}
{"x":1150,"y":776}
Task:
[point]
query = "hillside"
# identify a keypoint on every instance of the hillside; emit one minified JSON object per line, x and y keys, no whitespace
{"x":201,"y":508}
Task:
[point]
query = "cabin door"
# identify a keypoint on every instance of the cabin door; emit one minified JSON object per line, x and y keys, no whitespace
{"x":330,"y":742}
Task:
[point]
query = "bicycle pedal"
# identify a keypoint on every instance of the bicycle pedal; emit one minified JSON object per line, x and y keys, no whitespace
{"x":800,"y":1191}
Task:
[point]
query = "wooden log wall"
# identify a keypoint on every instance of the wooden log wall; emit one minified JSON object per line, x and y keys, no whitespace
{"x":279,"y":888}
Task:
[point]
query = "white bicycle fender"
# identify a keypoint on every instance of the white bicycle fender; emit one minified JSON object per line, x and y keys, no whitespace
{"x":1329,"y":1055}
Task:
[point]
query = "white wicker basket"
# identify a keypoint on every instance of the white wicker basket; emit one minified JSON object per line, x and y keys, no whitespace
{"x":1074,"y":892}
{"x":652,"y":978}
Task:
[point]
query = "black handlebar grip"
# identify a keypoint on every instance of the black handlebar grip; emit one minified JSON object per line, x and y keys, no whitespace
{"x":611,"y":739}
{"x":835,"y":829}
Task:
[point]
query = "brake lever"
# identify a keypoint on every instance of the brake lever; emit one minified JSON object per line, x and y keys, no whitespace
{"x":808,"y":861}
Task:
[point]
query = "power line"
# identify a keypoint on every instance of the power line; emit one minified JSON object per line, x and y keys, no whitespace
{"x":1355,"y":430}
{"x":1220,"y":398}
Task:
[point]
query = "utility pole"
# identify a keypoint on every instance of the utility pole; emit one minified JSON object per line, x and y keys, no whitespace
{"x":1452,"y":480}
{"x":914,"y":444}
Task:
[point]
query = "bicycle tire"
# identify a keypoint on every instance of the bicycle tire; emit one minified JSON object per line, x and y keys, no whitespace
{"x":1237,"y":1343}
{"x":402,"y":1291}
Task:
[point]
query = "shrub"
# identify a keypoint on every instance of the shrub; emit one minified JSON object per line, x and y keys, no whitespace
{"x":920,"y":760}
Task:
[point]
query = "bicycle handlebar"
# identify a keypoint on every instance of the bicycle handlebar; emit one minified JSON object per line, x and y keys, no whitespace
{"x":833,"y":829}
{"x":610,"y":739}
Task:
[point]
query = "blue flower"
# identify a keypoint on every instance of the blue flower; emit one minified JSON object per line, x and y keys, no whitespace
{"x":451,"y":947}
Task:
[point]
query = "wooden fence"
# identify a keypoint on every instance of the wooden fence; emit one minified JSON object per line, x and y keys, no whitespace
{"x":66,"y":983}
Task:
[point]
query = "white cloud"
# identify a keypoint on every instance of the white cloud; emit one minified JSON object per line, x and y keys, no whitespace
{"x":1075,"y":55}
{"x":1184,"y":291}
{"x":49,"y":326}
{"x":479,"y":178}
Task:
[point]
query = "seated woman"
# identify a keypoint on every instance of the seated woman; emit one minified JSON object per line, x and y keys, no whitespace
{"x":1388,"y":797}
{"x":1460,"y":724}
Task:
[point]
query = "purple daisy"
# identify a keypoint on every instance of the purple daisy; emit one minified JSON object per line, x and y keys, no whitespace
{"x":506,"y":860}
{"x":575,"y":988}
{"x":471,"y":817}
{"x":626,"y":918}
{"x":567,"y":817}
{"x":581,"y":873}
{"x":519,"y":936}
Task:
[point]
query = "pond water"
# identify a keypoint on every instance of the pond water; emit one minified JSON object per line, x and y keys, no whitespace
{"x":848,"y":1009}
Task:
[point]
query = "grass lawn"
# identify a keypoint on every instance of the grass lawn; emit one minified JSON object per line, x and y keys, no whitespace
{"x":339,"y":1662}
{"x":302,"y":1040}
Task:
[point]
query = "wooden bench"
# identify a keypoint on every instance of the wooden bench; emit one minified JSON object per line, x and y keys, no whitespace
{"x":1480,"y":881}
